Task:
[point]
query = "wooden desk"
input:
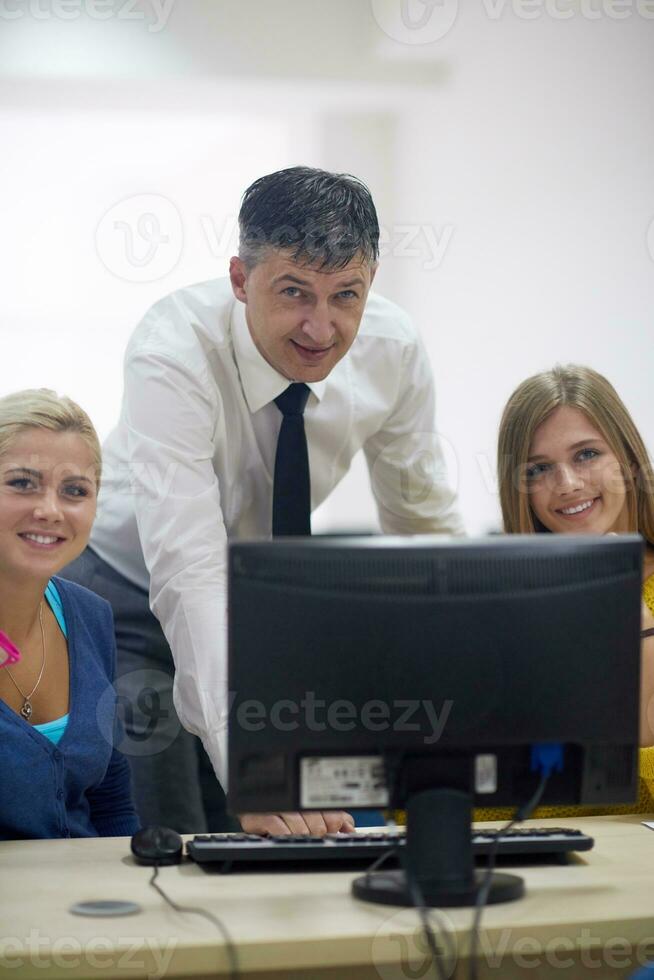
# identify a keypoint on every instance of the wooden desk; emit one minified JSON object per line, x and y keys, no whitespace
{"x":592,"y":918}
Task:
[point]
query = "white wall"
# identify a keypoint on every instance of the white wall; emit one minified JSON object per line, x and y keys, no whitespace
{"x":70,"y":296}
{"x":510,"y":159}
{"x":540,"y":157}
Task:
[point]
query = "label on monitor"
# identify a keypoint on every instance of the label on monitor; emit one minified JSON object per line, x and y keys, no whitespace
{"x":328,"y":782}
{"x":486,"y":773}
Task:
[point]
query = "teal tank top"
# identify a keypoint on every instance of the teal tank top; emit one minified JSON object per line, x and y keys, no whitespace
{"x":54,"y":730}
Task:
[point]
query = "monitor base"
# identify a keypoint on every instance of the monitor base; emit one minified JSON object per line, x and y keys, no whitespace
{"x":391,"y":888}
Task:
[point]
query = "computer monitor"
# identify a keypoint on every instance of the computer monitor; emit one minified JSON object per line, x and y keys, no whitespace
{"x":426,"y":673}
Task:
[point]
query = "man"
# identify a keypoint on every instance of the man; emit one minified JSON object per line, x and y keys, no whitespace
{"x":209,"y":449}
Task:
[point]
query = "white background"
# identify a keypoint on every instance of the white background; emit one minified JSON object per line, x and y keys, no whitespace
{"x":521,"y":139}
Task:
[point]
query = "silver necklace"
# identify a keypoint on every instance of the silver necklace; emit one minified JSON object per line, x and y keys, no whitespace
{"x":26,"y":708}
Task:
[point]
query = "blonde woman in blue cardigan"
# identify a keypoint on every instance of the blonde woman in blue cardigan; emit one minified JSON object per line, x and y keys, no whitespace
{"x":60,"y":775}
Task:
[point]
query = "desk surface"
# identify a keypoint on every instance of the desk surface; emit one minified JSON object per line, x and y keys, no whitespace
{"x":594,"y":917}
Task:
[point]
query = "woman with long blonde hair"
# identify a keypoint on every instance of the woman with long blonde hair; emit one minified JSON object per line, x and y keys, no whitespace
{"x":571,"y":460}
{"x":60,"y":775}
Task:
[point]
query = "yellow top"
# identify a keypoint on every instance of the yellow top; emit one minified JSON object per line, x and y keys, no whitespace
{"x":648,"y":593}
{"x":645,"y":802}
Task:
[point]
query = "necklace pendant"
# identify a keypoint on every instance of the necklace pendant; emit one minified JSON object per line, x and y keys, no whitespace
{"x":26,"y":710}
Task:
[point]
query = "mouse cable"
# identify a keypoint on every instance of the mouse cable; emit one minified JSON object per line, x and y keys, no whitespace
{"x":523,"y":813}
{"x":229,"y":942}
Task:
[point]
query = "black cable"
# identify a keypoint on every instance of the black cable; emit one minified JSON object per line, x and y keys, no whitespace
{"x":377,"y":863}
{"x":392,"y":772}
{"x":523,"y":813}
{"x":418,"y":900}
{"x":419,"y":904}
{"x":229,"y":942}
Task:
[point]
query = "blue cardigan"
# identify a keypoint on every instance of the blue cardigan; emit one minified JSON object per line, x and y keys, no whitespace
{"x":80,"y":787}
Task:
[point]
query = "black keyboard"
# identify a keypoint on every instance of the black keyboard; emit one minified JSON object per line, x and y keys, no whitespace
{"x":336,"y":850}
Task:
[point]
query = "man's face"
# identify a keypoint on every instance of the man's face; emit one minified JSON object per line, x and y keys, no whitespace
{"x":302,"y":320}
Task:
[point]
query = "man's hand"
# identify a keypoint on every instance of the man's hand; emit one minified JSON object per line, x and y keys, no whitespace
{"x":317,"y":823}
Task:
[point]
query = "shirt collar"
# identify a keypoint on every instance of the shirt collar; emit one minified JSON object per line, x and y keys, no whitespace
{"x":261,"y":382}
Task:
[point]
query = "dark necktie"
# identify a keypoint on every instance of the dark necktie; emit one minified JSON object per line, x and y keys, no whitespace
{"x":292,"y":487}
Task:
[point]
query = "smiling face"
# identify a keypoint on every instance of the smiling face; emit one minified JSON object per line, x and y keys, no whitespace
{"x":48,"y":496}
{"x":302,"y":320}
{"x":574,"y":479}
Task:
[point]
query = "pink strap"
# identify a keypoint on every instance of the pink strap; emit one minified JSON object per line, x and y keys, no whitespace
{"x":8,"y":652}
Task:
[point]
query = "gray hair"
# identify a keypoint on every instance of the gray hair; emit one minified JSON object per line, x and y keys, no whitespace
{"x":319,"y":218}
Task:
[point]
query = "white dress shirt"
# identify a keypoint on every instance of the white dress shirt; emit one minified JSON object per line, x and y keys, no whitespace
{"x":190,"y":465}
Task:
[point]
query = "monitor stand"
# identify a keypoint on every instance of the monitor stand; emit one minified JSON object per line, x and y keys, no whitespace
{"x":438,"y":852}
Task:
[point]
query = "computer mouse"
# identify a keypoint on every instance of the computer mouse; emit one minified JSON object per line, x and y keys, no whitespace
{"x":157,"y":845}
